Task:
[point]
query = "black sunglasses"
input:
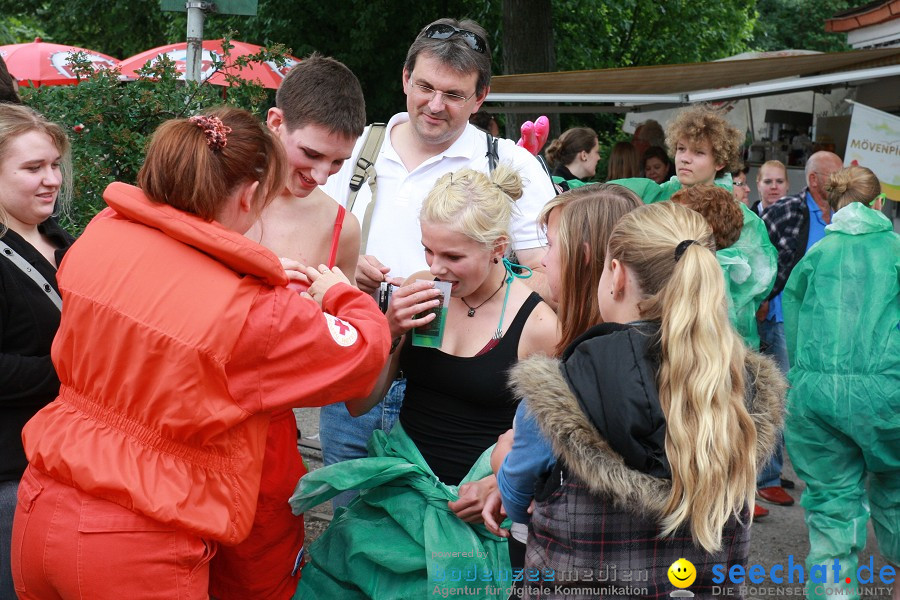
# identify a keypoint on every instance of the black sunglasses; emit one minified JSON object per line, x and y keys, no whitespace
{"x":442,"y":31}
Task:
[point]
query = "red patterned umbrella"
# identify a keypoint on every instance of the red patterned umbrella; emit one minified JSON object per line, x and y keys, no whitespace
{"x":39,"y":63}
{"x":268,"y":74}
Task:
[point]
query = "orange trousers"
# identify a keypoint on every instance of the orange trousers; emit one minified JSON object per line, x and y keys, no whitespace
{"x":69,"y":545}
{"x":262,"y":566}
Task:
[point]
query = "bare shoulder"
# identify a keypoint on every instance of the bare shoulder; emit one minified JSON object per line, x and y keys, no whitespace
{"x":321,"y":202}
{"x":348,"y":244}
{"x":289,"y":211}
{"x":541,"y":332}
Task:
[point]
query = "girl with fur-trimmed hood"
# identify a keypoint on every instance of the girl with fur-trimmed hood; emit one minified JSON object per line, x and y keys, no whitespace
{"x":649,"y":429}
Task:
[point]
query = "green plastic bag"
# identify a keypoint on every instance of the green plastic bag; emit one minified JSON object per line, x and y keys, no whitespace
{"x":398,"y":539}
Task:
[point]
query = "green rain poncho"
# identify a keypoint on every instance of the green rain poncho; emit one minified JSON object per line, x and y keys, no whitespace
{"x":571,"y":183}
{"x":398,"y":539}
{"x":842,"y":324}
{"x":750,"y":264}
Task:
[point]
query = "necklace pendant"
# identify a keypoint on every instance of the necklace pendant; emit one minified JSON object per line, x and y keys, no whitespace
{"x":471,"y":312}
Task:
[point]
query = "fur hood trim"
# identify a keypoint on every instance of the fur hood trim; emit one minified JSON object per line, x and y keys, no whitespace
{"x":589,"y":457}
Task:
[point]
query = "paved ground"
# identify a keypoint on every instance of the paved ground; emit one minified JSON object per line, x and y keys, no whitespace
{"x":776,"y":537}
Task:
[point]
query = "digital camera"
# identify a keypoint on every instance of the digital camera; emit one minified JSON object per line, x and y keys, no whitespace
{"x":385,"y":290}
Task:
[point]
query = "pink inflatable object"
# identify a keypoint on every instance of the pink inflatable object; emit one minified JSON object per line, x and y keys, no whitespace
{"x":528,"y":140}
{"x":541,"y":131}
{"x":534,"y":134}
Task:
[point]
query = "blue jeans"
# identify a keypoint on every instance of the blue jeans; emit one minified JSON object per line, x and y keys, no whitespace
{"x":773,"y":343}
{"x":344,"y":437}
{"x":8,"y":500}
{"x":770,"y":474}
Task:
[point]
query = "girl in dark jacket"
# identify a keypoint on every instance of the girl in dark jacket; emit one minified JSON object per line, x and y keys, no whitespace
{"x":654,"y":422}
{"x":34,"y":158}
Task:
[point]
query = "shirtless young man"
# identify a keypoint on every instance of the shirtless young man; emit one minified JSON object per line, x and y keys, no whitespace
{"x":319,"y":114}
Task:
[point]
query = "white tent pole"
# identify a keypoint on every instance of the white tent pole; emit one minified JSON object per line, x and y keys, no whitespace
{"x":750,"y":115}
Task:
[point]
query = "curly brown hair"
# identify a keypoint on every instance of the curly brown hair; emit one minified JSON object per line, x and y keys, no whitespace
{"x":697,"y":124}
{"x":718,"y":207}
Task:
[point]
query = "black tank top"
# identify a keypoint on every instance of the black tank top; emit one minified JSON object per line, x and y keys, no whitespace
{"x":455,"y":407}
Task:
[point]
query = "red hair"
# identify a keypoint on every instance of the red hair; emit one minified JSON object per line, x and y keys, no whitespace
{"x":184,"y":171}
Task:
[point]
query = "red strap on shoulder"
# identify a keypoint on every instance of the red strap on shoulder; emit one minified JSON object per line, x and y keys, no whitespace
{"x":336,"y":236}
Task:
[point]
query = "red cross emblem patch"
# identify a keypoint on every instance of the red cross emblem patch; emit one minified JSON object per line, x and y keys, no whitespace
{"x":341,"y":331}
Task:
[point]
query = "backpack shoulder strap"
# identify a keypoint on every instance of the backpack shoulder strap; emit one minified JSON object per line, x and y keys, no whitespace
{"x":493,"y":154}
{"x":365,"y":162}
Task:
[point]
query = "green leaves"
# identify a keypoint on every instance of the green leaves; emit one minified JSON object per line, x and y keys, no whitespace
{"x":623,"y":33}
{"x":798,"y":24}
{"x":371,"y":37}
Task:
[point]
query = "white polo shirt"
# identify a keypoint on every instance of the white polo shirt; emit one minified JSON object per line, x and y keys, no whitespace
{"x":395,"y":237}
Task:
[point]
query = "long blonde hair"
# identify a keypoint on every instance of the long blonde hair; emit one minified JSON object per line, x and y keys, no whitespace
{"x":587,"y":215}
{"x":710,"y":437}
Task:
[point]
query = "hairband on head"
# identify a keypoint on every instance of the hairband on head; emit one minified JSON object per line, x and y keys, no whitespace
{"x":680,"y":248}
{"x":216,"y":131}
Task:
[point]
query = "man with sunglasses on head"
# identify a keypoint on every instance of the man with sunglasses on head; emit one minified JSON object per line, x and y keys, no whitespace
{"x":446,"y":77}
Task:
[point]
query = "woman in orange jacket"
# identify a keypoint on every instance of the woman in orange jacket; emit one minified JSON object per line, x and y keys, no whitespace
{"x":178,"y":338}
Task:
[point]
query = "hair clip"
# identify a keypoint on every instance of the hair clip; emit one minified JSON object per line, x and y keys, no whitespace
{"x":216,"y":131}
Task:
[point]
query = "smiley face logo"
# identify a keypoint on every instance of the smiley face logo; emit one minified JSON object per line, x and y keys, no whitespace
{"x":682,"y":573}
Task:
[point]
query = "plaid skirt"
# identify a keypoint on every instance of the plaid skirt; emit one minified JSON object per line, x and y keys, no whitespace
{"x":580,"y":545}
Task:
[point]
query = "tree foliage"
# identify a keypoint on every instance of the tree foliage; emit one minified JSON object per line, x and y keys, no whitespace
{"x":624,"y":33}
{"x":372,"y":36}
{"x":117,"y":28}
{"x":798,"y":24}
{"x":17,"y":30}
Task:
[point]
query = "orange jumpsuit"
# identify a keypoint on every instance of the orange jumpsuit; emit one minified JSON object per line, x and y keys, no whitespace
{"x":177,"y":340}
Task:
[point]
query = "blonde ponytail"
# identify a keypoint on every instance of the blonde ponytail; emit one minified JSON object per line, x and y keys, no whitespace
{"x":710,"y":437}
